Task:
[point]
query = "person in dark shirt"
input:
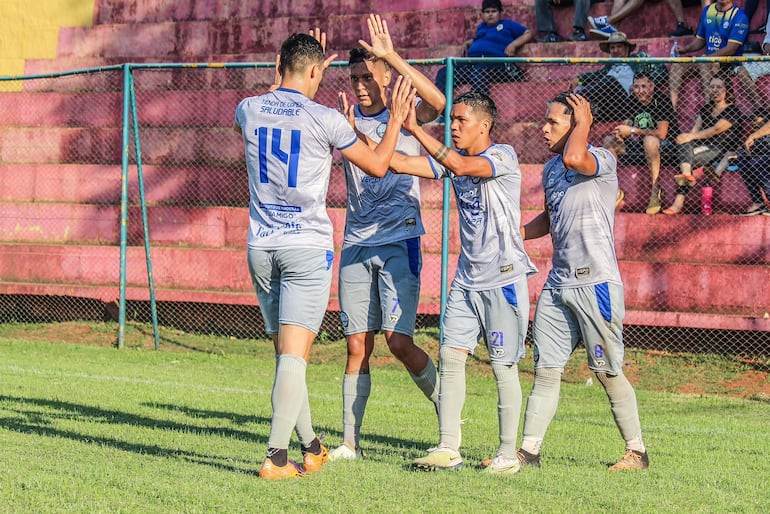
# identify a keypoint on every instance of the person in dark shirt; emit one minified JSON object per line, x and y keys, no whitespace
{"x":647,"y":136}
{"x":716,"y":130}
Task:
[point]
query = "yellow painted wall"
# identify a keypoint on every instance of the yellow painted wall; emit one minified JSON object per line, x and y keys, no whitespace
{"x":29,"y":29}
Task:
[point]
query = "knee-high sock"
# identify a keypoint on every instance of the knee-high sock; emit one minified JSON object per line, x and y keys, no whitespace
{"x":541,"y":407}
{"x":508,"y":406}
{"x":304,"y":427}
{"x":355,"y":394}
{"x":289,"y":391}
{"x":624,"y":409}
{"x":451,"y":396}
{"x":427,"y":381}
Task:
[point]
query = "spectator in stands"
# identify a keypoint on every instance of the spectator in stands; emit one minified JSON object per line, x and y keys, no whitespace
{"x":755,"y":169}
{"x":750,"y":6}
{"x":766,"y":41}
{"x":608,"y":88}
{"x":723,"y":29}
{"x":604,"y":25}
{"x":648,"y":134}
{"x":494,"y":37}
{"x":547,"y":27}
{"x":754,"y":165}
{"x":716,"y":130}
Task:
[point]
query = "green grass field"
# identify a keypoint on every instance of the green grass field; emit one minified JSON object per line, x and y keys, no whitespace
{"x":89,"y":428}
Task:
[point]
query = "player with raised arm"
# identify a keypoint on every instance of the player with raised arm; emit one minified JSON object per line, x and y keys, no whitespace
{"x":582,"y":299}
{"x":489,"y":297}
{"x":379,"y":278}
{"x":288,"y":140}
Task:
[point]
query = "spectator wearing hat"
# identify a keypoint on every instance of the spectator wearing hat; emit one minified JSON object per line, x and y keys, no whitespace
{"x":609,"y":88}
{"x":495,"y":37}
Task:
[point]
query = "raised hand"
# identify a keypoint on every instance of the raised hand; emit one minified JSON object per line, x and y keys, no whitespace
{"x":320,"y":36}
{"x":382,"y":44}
{"x":581,"y":109}
{"x":347,"y":110}
{"x":401,"y":100}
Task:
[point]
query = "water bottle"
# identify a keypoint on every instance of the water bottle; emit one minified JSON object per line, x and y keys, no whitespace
{"x":706,"y":195}
{"x":675,"y":49}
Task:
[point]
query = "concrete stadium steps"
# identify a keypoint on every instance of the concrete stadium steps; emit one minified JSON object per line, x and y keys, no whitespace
{"x":226,"y":185}
{"x":730,"y":196}
{"x":675,"y":294}
{"x":149,"y":11}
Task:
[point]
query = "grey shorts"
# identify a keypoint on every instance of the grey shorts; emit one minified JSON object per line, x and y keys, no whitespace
{"x":379,"y":287}
{"x":591,"y":314}
{"x":499,"y":315}
{"x":292,"y":286}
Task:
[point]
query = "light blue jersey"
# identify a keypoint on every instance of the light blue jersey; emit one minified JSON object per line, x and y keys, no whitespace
{"x":582,"y":215}
{"x":382,"y":210}
{"x":289,"y":140}
{"x":492,"y":251}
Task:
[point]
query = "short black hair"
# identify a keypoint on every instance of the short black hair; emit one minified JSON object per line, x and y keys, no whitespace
{"x":643,"y":73}
{"x":492,"y":4}
{"x":359,"y":54}
{"x":479,"y":102}
{"x":300,"y":51}
{"x":561,"y":98}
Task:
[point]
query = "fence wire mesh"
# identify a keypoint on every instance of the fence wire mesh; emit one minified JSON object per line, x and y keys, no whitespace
{"x":697,"y":281}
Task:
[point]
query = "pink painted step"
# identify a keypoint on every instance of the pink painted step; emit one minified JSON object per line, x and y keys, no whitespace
{"x":119,"y":11}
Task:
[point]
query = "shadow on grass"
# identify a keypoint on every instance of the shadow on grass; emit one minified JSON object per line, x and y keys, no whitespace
{"x":31,"y":421}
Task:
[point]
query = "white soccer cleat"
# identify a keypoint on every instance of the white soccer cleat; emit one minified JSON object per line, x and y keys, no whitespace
{"x":439,"y":458}
{"x":344,"y":452}
{"x":502,"y":465}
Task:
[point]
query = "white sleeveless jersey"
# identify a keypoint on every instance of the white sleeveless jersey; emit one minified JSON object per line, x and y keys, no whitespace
{"x":382,"y":210}
{"x":582,"y":216}
{"x":492,"y":251}
{"x":289,"y":140}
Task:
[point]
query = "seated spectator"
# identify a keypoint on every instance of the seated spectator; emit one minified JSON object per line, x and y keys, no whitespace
{"x":608,"y":88}
{"x":755,"y":170}
{"x":547,"y":27}
{"x":494,"y":37}
{"x":754,"y":165}
{"x":722,"y":29}
{"x":604,"y":25}
{"x":716,"y":130}
{"x":647,"y":137}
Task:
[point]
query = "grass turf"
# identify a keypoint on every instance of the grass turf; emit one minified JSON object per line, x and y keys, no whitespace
{"x":86,"y":428}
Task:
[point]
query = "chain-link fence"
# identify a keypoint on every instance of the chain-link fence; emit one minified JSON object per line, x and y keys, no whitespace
{"x":695,"y":281}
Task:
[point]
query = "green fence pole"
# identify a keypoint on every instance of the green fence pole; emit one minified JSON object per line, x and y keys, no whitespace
{"x":123,"y":209}
{"x":143,"y":202}
{"x":449,"y":93}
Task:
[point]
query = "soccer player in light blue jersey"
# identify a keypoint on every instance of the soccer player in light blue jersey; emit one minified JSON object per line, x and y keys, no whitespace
{"x":288,"y":141}
{"x":379,"y":278}
{"x":489,"y":297}
{"x":582,"y":299}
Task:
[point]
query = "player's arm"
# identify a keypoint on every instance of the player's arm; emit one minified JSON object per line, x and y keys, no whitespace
{"x":375,"y":161}
{"x":539,"y":226}
{"x":461,"y":165}
{"x":434,"y":100}
{"x":576,"y":156}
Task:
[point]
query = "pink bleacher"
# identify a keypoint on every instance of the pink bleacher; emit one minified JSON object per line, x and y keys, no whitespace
{"x":684,"y":263}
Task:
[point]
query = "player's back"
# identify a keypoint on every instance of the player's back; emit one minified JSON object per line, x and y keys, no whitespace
{"x":288,"y":140}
